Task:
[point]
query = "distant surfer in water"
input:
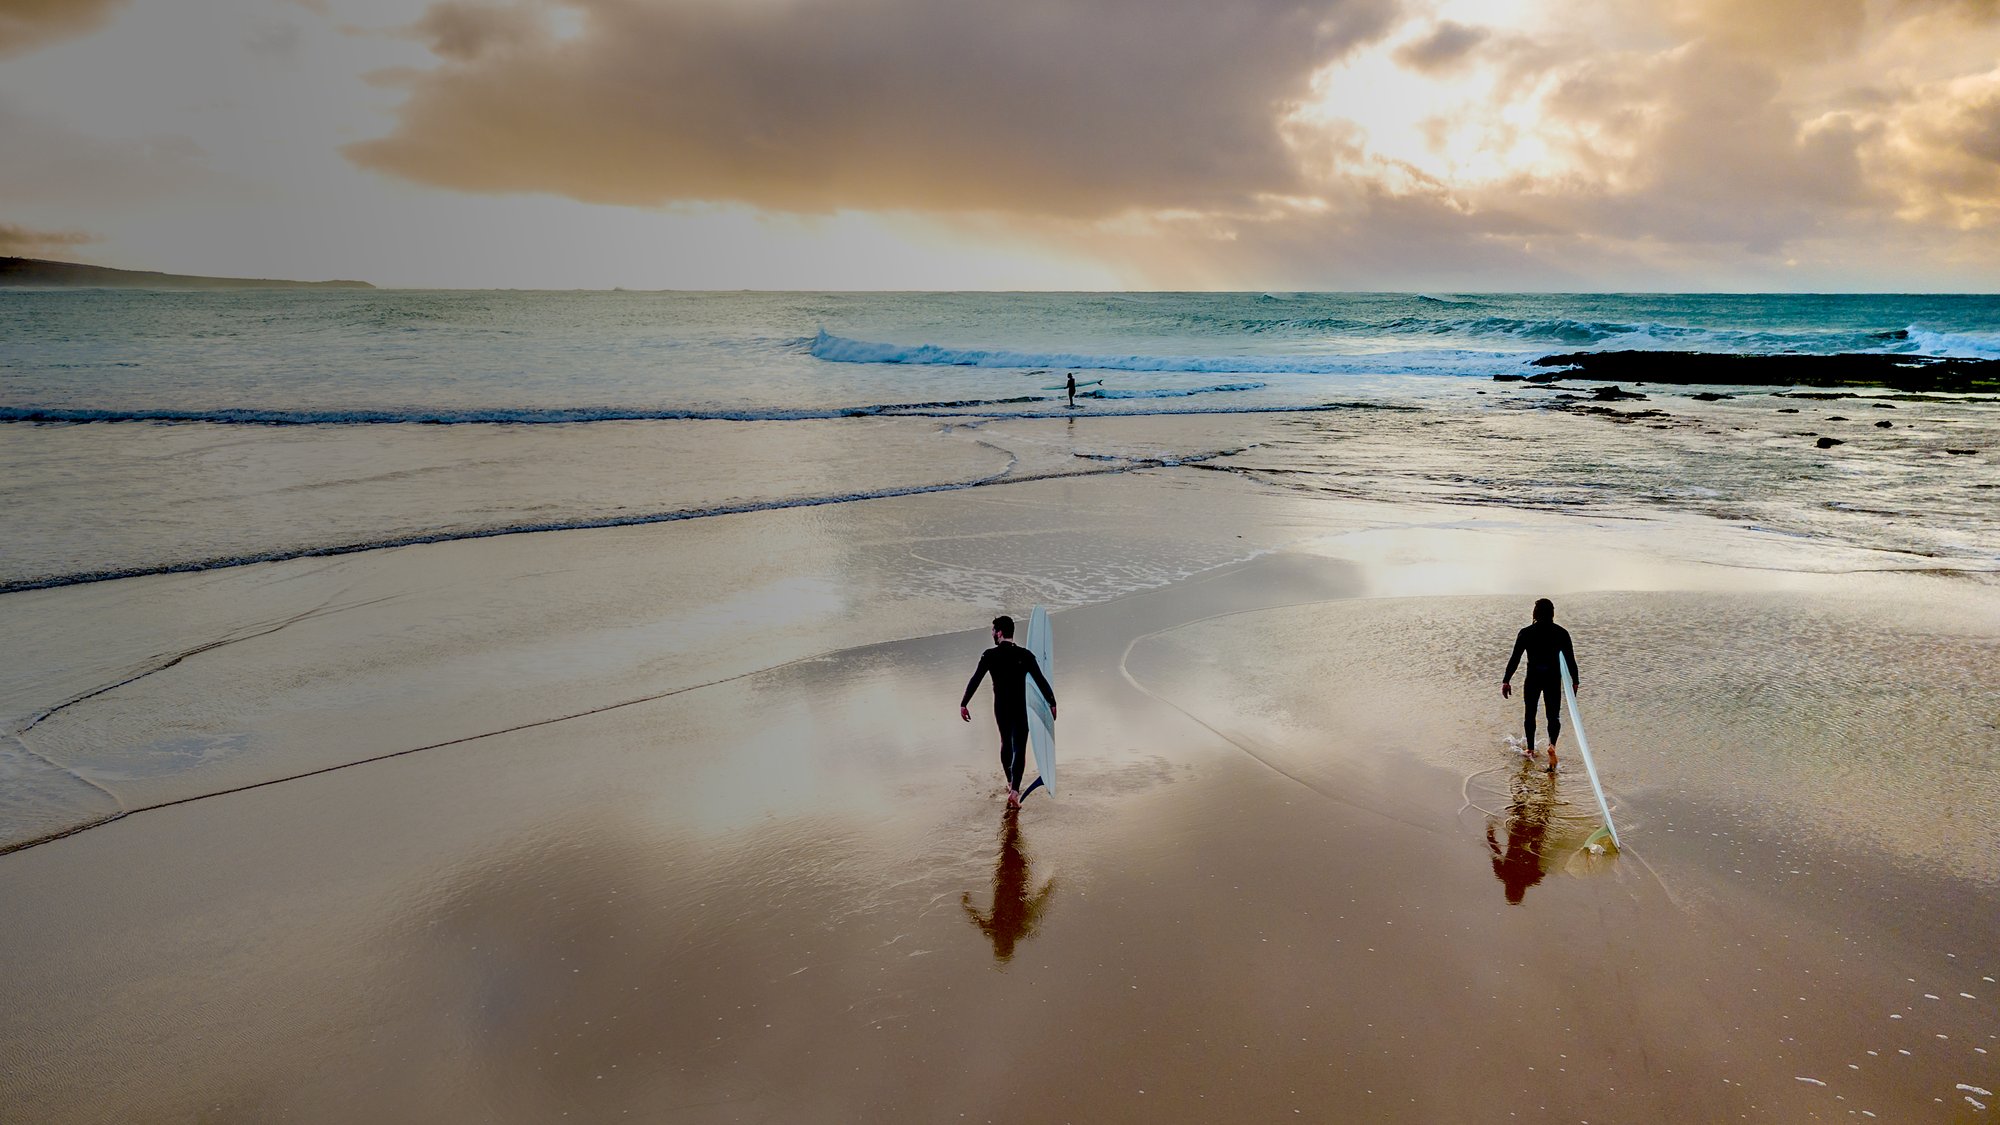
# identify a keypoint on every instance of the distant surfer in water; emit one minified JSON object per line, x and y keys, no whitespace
{"x":1544,"y":642}
{"x":1011,"y":666}
{"x":1072,"y":388}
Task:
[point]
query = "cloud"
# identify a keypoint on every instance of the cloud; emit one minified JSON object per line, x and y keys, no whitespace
{"x":1447,"y":44}
{"x":1666,"y":149}
{"x":1037,"y":107}
{"x":19,"y":241}
{"x":27,"y":24}
{"x":1939,"y":148}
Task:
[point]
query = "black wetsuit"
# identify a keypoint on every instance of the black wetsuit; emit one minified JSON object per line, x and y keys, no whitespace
{"x":1543,"y":641}
{"x":1011,"y":666}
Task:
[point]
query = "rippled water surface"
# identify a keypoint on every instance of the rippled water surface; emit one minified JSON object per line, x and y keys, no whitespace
{"x":150,"y":431}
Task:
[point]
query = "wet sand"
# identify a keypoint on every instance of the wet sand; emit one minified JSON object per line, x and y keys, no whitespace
{"x":1292,"y":870}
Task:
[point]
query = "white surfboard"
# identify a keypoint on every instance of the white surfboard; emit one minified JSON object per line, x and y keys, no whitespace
{"x":1042,"y":724}
{"x":1582,"y":743}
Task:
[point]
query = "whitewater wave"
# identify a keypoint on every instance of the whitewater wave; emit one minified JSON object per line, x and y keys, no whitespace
{"x":840,"y":349}
{"x":1957,"y":345}
{"x":1177,"y":392}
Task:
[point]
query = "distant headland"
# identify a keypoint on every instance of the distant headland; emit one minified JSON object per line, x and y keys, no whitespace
{"x":35,"y":273}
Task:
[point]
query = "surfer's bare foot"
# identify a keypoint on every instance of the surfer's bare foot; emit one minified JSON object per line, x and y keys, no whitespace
{"x":1013,"y":799}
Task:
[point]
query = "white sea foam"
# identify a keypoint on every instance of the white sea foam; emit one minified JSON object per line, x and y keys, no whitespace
{"x":840,"y":349}
{"x":1177,"y":392}
{"x":1963,"y":345}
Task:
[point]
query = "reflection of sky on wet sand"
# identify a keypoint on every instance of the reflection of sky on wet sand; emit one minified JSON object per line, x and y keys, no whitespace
{"x":1850,"y":718}
{"x":752,"y":900}
{"x":426,"y":645}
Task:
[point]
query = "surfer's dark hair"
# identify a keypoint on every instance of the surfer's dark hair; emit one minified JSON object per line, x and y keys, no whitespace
{"x":1005,"y":625}
{"x":1545,"y":610}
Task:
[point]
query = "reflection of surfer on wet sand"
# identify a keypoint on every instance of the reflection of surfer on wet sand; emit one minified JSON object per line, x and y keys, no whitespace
{"x":1016,"y":912}
{"x":1519,"y":865}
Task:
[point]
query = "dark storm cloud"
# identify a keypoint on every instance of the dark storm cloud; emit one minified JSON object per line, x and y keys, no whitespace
{"x":1040,"y":107}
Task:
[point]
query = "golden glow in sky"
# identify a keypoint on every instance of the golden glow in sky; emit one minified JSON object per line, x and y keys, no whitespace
{"x":1642,"y":144}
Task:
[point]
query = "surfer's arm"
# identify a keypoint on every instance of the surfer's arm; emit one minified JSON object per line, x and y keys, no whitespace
{"x":1513,"y":662}
{"x":971,"y":686}
{"x":1569,"y":654}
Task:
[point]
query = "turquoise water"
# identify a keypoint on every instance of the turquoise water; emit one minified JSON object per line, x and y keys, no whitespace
{"x":443,"y":356}
{"x":150,"y":430}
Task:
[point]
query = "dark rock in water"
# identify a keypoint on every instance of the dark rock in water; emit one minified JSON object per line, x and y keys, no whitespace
{"x":1788,"y":410}
{"x":1849,"y":369}
{"x":1884,"y":424}
{"x":1615,"y":394}
{"x":1818,"y":396}
{"x":1510,"y":378}
{"x":1961,"y":452}
{"x":1545,"y":377}
{"x":1622,"y":417}
{"x":1883,"y":405}
{"x":1808,"y":433}
{"x":1836,"y":418}
{"x":1710,"y":396}
{"x":1830,"y":442}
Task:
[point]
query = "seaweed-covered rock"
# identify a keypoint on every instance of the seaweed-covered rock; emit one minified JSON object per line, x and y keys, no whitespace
{"x":1615,"y":394}
{"x":1830,"y":442}
{"x":1848,"y":369}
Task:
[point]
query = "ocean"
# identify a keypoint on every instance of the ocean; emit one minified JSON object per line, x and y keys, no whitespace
{"x":149,"y":431}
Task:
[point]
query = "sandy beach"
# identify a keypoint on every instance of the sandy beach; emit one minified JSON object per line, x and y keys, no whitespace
{"x":691,"y":831}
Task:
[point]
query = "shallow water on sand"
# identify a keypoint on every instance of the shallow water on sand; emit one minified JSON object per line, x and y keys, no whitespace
{"x":795,"y":895}
{"x":1840,"y":721}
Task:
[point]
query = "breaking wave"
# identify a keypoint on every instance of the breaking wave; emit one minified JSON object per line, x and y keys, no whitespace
{"x":840,"y":349}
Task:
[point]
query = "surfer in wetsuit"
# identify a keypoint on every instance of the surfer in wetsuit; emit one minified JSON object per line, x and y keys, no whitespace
{"x":1072,"y":388}
{"x":1011,"y":666}
{"x":1544,"y":642}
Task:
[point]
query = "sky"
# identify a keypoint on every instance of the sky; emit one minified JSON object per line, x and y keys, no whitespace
{"x":1433,"y":145}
